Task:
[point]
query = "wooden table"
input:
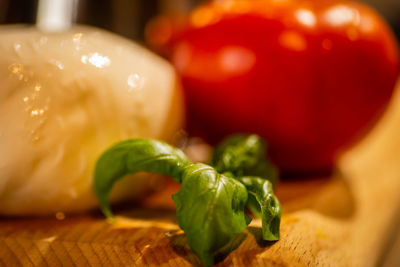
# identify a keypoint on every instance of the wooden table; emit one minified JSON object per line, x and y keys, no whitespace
{"x":344,"y":220}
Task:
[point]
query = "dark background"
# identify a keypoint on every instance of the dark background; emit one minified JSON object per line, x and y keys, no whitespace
{"x":128,"y":17}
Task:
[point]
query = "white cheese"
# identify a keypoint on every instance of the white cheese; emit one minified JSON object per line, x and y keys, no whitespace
{"x":64,"y":98}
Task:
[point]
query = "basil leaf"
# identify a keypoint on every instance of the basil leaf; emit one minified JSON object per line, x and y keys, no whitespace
{"x":244,"y":155}
{"x":210,"y":209}
{"x":133,"y":156}
{"x":263,"y":202}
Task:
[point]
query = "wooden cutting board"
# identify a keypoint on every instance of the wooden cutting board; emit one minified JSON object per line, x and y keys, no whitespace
{"x":344,"y":220}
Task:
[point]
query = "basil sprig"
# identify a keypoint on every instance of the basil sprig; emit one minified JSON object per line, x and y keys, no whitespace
{"x":211,"y":201}
{"x":244,"y":155}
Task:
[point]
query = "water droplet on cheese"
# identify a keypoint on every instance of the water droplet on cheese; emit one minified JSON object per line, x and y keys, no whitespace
{"x":17,"y":49}
{"x":135,"y":82}
{"x":56,"y":63}
{"x":96,"y":60}
{"x":76,"y":38}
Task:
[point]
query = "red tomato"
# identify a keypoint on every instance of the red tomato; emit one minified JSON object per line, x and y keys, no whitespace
{"x":309,"y":76}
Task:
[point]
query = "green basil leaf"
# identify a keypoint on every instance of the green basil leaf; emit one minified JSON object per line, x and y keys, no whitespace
{"x":244,"y":155}
{"x":133,"y":156}
{"x":262,"y":201}
{"x":210,"y":209}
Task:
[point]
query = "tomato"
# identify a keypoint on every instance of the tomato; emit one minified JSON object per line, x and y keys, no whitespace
{"x":311,"y":77}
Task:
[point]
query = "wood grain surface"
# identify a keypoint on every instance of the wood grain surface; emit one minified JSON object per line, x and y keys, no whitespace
{"x":344,"y":220}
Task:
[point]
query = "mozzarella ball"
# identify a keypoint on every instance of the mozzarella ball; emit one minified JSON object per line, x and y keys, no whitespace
{"x":64,"y":98}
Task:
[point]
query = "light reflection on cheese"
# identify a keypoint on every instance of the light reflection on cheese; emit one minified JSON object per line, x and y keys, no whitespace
{"x":64,"y":98}
{"x":96,"y":60}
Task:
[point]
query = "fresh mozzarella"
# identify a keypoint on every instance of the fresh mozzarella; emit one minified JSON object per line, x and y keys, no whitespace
{"x":64,"y":98}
